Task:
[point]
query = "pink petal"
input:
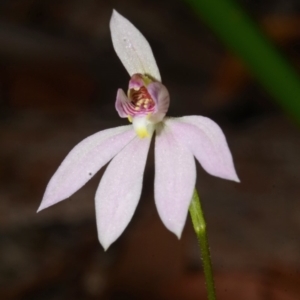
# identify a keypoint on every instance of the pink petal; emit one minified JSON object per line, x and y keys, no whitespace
{"x":121,"y":104}
{"x":120,"y":190}
{"x":132,"y":48}
{"x":84,"y":160}
{"x":207,"y":142}
{"x":175,"y":177}
{"x":161,"y":97}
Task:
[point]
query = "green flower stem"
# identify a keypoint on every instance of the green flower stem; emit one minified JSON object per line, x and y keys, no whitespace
{"x":244,"y":38}
{"x":200,"y":229}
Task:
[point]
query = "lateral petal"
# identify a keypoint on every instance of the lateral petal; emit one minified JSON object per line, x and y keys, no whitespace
{"x":175,"y":178}
{"x":207,"y":142}
{"x":132,"y":48}
{"x":83,"y":161}
{"x":119,"y":190}
{"x":160,"y":95}
{"x":122,"y":104}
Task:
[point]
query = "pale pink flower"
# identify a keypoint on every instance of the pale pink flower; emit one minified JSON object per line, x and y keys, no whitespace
{"x":177,"y":142}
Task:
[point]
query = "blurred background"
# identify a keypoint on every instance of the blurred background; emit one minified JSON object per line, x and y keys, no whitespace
{"x":58,"y":80}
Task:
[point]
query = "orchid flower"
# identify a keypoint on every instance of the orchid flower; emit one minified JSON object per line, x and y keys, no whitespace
{"x":177,"y":142}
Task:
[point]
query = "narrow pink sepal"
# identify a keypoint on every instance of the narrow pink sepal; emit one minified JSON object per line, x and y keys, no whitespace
{"x":132,"y":48}
{"x":83,"y":161}
{"x":207,"y":142}
{"x":119,"y":190}
{"x":175,"y":178}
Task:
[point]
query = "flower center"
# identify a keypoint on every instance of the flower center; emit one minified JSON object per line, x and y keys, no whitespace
{"x":141,"y":99}
{"x":145,"y":105}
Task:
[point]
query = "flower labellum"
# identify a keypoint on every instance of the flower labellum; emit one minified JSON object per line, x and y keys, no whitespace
{"x":177,"y":142}
{"x":146,"y":105}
